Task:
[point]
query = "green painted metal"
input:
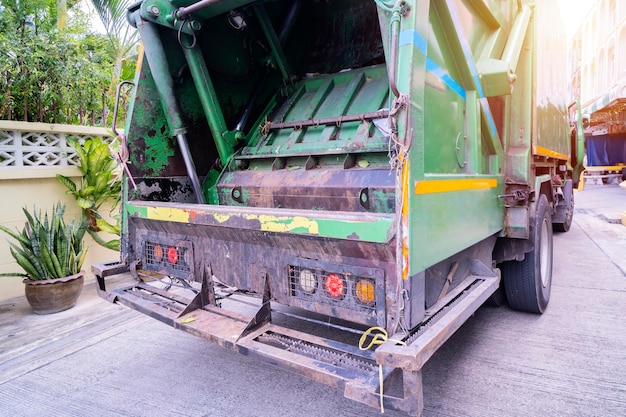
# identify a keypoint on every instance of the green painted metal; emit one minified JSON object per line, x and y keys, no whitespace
{"x":371,"y":228}
{"x":515,"y":42}
{"x":348,"y":93}
{"x":156,"y":57}
{"x":466,"y":68}
{"x":209,"y":101}
{"x":550,"y":86}
{"x":155,"y":54}
{"x":473,"y":102}
{"x":157,"y":149}
{"x":164,"y":13}
{"x":579,"y":146}
{"x":453,"y":93}
{"x":280,"y":59}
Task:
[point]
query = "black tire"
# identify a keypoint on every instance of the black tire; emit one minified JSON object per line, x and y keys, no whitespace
{"x":527,"y":283}
{"x":569,"y":216}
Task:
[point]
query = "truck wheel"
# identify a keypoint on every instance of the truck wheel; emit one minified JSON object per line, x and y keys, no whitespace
{"x":527,"y":283}
{"x":569,"y":216}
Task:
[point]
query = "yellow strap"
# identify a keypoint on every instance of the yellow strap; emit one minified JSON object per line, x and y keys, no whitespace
{"x":378,"y":339}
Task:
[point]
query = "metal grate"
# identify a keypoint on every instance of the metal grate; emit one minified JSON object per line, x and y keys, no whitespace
{"x":162,"y":256}
{"x":332,"y":288}
{"x":326,"y":354}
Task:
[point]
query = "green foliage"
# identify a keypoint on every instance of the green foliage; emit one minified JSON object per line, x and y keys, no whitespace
{"x":50,"y":75}
{"x":47,"y":248}
{"x":99,"y":183}
{"x":123,"y":39}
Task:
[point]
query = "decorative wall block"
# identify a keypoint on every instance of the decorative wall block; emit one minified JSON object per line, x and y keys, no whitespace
{"x":25,"y":144}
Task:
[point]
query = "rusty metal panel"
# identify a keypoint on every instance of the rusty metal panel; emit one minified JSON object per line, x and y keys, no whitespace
{"x":323,"y":189}
{"x":249,"y":259}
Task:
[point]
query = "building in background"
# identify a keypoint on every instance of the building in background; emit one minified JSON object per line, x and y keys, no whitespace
{"x":598,"y":79}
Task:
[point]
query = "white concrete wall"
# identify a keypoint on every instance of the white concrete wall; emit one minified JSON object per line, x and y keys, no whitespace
{"x":38,"y":187}
{"x":27,"y":186}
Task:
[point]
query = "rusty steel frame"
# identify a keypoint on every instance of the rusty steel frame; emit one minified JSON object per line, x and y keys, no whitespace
{"x":357,"y":375}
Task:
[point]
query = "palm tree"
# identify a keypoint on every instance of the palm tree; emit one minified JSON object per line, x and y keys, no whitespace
{"x":121,"y":35}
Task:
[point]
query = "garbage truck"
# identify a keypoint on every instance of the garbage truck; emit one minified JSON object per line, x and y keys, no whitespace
{"x":336,"y":186}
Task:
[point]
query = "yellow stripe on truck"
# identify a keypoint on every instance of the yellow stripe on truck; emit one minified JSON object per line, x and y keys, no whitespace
{"x":541,"y":151}
{"x":446,"y":186}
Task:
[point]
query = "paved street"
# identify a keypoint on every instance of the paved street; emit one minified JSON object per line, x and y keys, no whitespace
{"x":102,"y":359}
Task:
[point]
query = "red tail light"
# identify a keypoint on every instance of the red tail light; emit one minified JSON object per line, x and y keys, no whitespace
{"x":172,"y":255}
{"x":335,"y":286}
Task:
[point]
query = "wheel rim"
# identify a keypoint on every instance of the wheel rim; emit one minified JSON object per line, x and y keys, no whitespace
{"x":544,"y":255}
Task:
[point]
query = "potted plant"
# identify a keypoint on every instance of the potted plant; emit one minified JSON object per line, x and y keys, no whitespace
{"x":51,"y":253}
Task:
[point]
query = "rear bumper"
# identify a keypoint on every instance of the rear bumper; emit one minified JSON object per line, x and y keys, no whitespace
{"x":325,"y":350}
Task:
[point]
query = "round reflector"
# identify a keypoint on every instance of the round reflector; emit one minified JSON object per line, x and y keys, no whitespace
{"x":157,"y":253}
{"x":335,"y":286}
{"x":364,"y":291}
{"x":172,"y":255}
{"x":308,"y":283}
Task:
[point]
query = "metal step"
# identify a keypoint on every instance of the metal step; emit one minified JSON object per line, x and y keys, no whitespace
{"x":406,"y":362}
{"x":442,"y":320}
{"x":324,"y":360}
{"x":295,"y":343}
{"x":234,"y":327}
{"x":212,"y":323}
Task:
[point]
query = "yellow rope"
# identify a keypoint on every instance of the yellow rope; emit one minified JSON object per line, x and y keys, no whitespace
{"x":378,"y":339}
{"x":265,"y":129}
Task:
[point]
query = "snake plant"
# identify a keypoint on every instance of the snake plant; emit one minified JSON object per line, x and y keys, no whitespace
{"x":47,"y":247}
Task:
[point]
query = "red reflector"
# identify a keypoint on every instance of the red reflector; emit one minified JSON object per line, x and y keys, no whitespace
{"x":335,"y":285}
{"x":172,"y":255}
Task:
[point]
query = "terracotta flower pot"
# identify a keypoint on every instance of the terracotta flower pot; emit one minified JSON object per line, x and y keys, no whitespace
{"x":54,"y":295}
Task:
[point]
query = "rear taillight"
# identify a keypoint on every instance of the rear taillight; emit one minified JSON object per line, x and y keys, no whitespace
{"x":308,"y":281}
{"x":347,"y":287}
{"x":364,"y":291}
{"x":168,"y":257}
{"x":172,"y":255}
{"x":157,"y":253}
{"x":335,"y":286}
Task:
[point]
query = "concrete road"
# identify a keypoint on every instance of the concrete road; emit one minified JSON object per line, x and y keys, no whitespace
{"x":103,"y":360}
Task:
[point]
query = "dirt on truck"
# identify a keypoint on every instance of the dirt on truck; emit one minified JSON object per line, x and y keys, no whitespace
{"x":337,"y":186}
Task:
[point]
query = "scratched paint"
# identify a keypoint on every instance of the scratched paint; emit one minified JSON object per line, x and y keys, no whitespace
{"x":221,"y":218}
{"x":378,"y":230}
{"x":167,"y":214}
{"x":297,"y":224}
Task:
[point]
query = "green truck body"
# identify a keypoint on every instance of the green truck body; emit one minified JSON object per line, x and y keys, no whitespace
{"x":305,"y":172}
